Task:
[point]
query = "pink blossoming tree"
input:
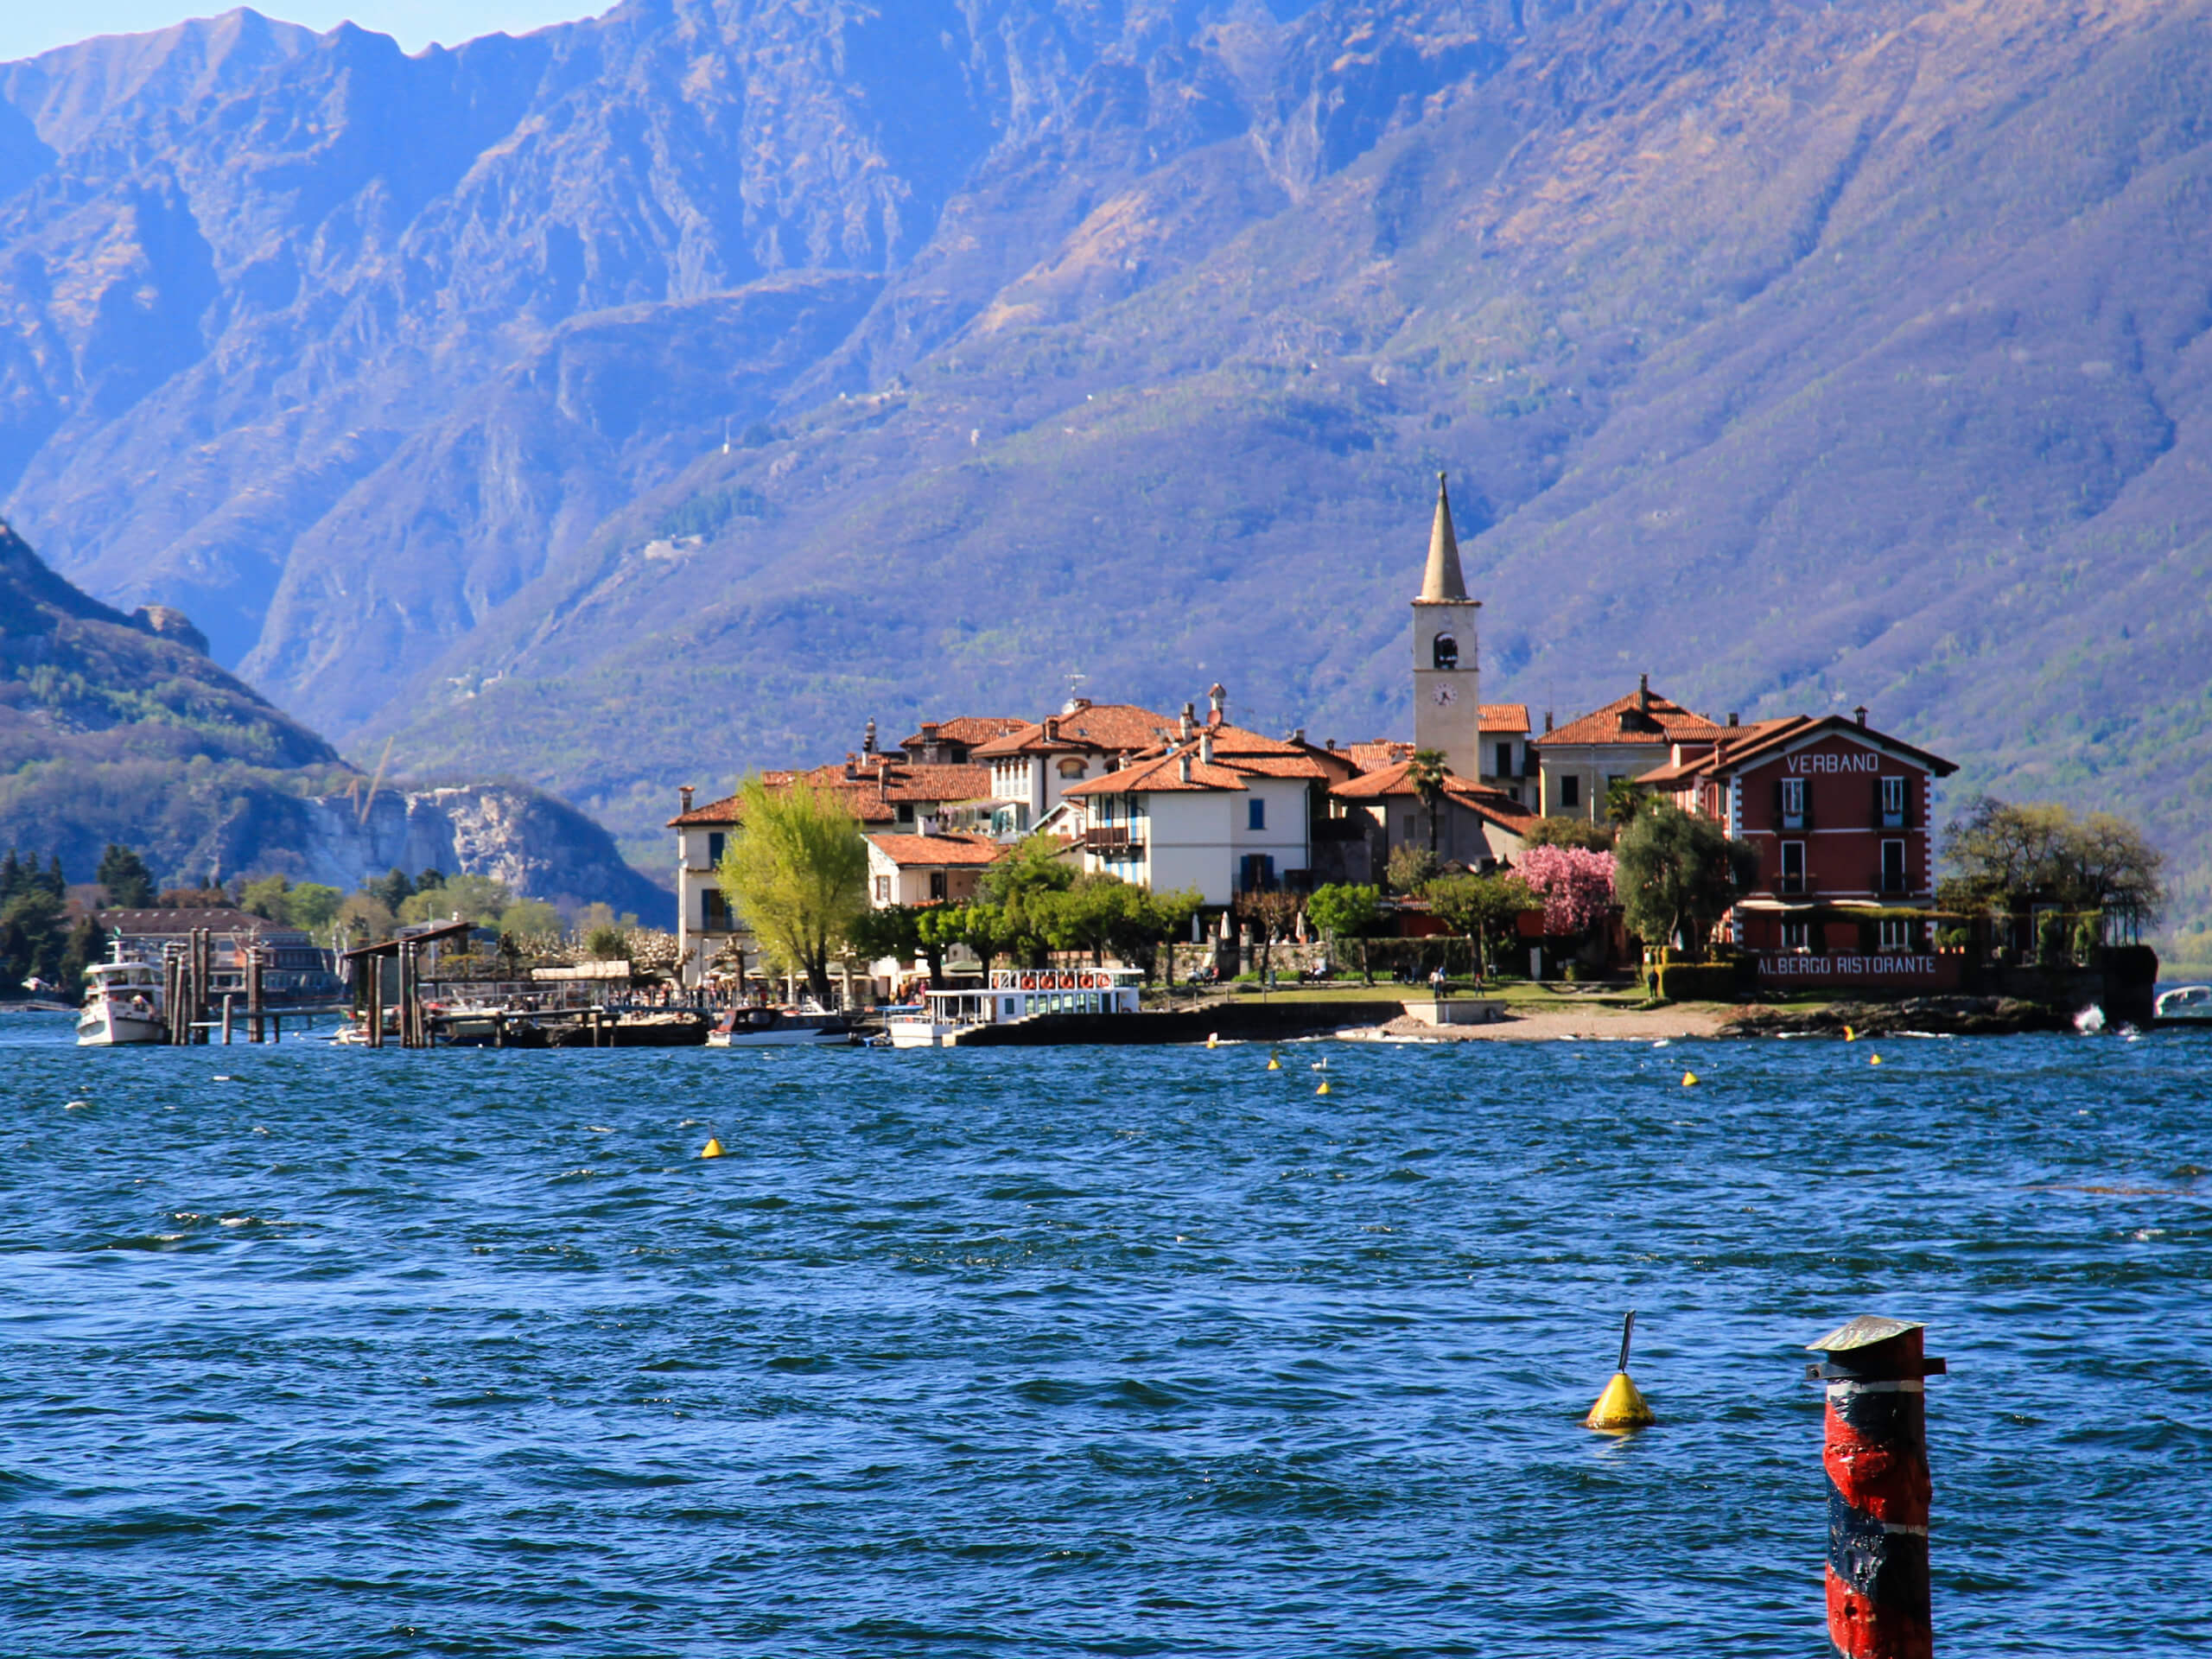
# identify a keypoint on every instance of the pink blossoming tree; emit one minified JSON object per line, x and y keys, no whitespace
{"x":1575,"y":883}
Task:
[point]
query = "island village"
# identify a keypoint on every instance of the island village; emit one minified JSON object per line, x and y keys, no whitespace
{"x":1192,"y":802}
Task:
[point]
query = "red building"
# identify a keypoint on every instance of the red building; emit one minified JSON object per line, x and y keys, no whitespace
{"x":1841,"y":815}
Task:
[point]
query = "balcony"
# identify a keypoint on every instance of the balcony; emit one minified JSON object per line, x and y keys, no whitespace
{"x":1892,"y":884}
{"x":1113,"y":844}
{"x":1794,"y":884}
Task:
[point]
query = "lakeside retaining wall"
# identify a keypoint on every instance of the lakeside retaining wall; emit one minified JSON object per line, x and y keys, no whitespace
{"x":1231,"y":1022}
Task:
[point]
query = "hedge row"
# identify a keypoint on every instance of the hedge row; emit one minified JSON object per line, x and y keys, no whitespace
{"x":1698,"y":981}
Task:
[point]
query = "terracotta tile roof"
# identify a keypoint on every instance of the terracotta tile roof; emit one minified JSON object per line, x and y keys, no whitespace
{"x":861,"y":795}
{"x":1602,"y":726}
{"x":915,"y":781}
{"x":924,"y":852}
{"x":1162,"y":775}
{"x":1394,"y":783}
{"x":1745,"y":745}
{"x":1378,"y":752}
{"x":1733,"y":740}
{"x":1505,"y":716}
{"x":970,"y":730}
{"x":1255,"y":752}
{"x":1109,"y":727}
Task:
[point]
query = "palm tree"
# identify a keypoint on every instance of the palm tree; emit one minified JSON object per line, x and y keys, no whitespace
{"x":1427,"y":772}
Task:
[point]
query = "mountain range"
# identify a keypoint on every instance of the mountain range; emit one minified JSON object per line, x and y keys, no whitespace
{"x":655,"y":395}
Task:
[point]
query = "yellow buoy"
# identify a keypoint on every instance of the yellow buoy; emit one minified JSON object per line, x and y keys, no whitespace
{"x":1689,"y":1079}
{"x":1849,"y":1035}
{"x":1622,"y":1407}
{"x":1213,"y":1039}
{"x":712,"y":1149}
{"x":1873,"y":1059}
{"x":1324,"y":1088}
{"x":1274,"y":1063}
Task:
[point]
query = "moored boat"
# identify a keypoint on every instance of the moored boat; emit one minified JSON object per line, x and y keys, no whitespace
{"x":122,"y":1003}
{"x":781,"y":1028}
{"x":1014,"y":994}
{"x":2191,"y":1003}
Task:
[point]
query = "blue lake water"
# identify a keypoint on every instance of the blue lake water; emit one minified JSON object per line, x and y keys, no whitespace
{"x":1082,"y":1351}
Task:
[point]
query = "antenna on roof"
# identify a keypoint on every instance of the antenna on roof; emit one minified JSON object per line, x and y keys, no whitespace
{"x":1076,"y":678}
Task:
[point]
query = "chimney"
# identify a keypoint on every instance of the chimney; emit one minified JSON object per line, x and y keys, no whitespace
{"x":1732,"y":716}
{"x":1217,"y":703}
{"x":1051,"y":729}
{"x":1190,"y":719}
{"x":1332,"y":746}
{"x":1183,"y":766}
{"x":1644,"y":694}
{"x":1298,"y":736}
{"x":1861,"y":712}
{"x":1205,"y":747}
{"x":867,"y":739}
{"x":1547,"y":720}
{"x":683,"y":793}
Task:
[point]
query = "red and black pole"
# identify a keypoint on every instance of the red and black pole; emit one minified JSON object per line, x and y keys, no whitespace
{"x":1876,"y":1461}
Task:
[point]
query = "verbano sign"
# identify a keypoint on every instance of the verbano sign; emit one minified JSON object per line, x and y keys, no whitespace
{"x":1863,"y":760}
{"x":1899,"y":968}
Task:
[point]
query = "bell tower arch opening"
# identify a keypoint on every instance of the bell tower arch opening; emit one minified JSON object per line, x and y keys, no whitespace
{"x":1447,"y":705}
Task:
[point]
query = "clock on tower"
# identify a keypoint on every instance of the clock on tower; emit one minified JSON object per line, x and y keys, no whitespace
{"x":1448,"y":711}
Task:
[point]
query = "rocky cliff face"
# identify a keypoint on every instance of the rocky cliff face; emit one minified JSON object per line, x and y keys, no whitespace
{"x":117,"y":728}
{"x":1804,"y":355}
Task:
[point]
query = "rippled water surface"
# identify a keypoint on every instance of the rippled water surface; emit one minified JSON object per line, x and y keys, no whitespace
{"x":1084,"y":1351}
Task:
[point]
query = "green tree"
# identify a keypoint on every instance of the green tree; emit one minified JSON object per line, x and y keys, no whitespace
{"x":87,"y":943}
{"x":1345,"y":910}
{"x":391,"y":890}
{"x":128,"y":883}
{"x":980,"y":927}
{"x":529,"y":916}
{"x":1146,"y":926}
{"x":796,"y":872}
{"x":1485,"y":909}
{"x":1623,"y":802}
{"x":479,"y":899}
{"x":313,"y":907}
{"x":2007,"y":857}
{"x":1410,"y":869}
{"x":1427,"y":772}
{"x":1676,"y":873}
{"x":894,"y":931}
{"x":269,"y":897}
{"x":1561,"y":831}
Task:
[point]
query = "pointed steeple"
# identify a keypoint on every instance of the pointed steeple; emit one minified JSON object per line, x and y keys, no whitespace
{"x":1442,"y":580}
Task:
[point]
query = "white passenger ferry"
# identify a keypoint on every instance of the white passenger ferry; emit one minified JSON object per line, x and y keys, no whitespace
{"x":1015,"y":993}
{"x":122,"y":1003}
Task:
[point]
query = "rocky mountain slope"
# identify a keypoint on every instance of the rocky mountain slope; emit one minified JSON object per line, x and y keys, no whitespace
{"x":117,"y":728}
{"x":1803,"y":355}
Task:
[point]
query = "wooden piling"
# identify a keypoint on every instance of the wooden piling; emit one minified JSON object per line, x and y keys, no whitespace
{"x":1876,"y":1461}
{"x":253,"y":1008}
{"x":230,"y":998}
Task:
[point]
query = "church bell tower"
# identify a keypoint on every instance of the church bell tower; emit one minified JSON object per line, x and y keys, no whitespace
{"x":1447,"y":712}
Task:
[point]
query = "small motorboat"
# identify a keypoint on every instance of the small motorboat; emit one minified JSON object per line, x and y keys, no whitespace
{"x":781,"y":1028}
{"x":2191,"y":1003}
{"x":122,"y":1003}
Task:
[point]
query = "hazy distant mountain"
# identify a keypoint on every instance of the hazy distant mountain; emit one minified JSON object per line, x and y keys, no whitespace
{"x":1803,"y":354}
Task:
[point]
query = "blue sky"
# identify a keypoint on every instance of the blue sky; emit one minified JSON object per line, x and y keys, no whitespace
{"x":28,"y":27}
